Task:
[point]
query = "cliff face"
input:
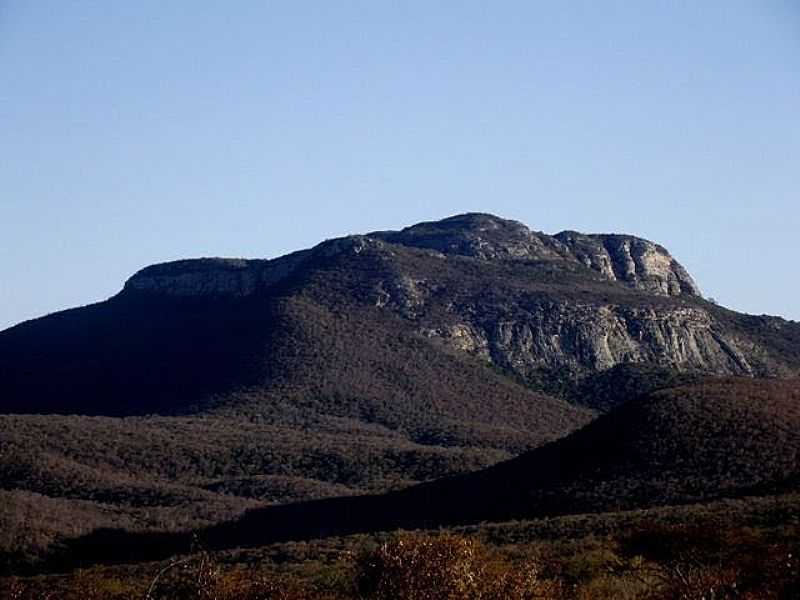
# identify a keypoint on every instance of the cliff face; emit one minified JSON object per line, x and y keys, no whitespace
{"x":579,"y":340}
{"x":636,"y":262}
{"x":216,"y":277}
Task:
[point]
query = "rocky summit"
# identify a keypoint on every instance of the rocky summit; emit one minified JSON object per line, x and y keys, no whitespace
{"x":541,"y":307}
{"x":635,"y":262}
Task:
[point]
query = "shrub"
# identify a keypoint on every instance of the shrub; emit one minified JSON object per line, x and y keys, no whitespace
{"x":445,"y":567}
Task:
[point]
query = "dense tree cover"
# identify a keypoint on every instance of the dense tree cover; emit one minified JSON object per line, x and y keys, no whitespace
{"x":63,"y":476}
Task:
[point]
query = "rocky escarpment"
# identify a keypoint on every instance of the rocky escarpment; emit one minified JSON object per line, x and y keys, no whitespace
{"x":235,"y":277}
{"x":572,"y":341}
{"x":213,"y":276}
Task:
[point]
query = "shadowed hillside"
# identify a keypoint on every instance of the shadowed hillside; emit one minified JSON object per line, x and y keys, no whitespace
{"x":717,"y":439}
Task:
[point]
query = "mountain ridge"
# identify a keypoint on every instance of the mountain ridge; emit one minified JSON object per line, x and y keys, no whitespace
{"x":635,"y":261}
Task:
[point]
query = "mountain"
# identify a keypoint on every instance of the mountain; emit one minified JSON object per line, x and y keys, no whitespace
{"x":366,"y":364}
{"x":549,"y":310}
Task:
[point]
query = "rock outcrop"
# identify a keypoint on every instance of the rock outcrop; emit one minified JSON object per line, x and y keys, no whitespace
{"x":215,"y":277}
{"x":633,"y":261}
{"x":638,"y":263}
{"x":481,"y":236}
{"x":235,"y":277}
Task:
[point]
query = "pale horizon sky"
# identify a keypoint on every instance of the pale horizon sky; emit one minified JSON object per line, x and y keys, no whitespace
{"x":135,"y":133}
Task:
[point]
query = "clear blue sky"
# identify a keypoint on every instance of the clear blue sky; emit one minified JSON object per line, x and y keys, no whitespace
{"x":139,"y":132}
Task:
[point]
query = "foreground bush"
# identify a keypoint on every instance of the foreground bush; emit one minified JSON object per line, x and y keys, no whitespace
{"x":445,"y":567}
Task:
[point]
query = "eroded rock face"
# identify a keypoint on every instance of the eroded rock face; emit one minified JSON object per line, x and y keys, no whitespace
{"x":639,"y":263}
{"x":213,"y":277}
{"x":584,"y":339}
{"x":236,"y":277}
{"x":198,"y":278}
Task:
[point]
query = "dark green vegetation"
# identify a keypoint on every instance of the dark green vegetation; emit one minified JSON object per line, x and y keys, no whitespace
{"x":243,"y":403}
